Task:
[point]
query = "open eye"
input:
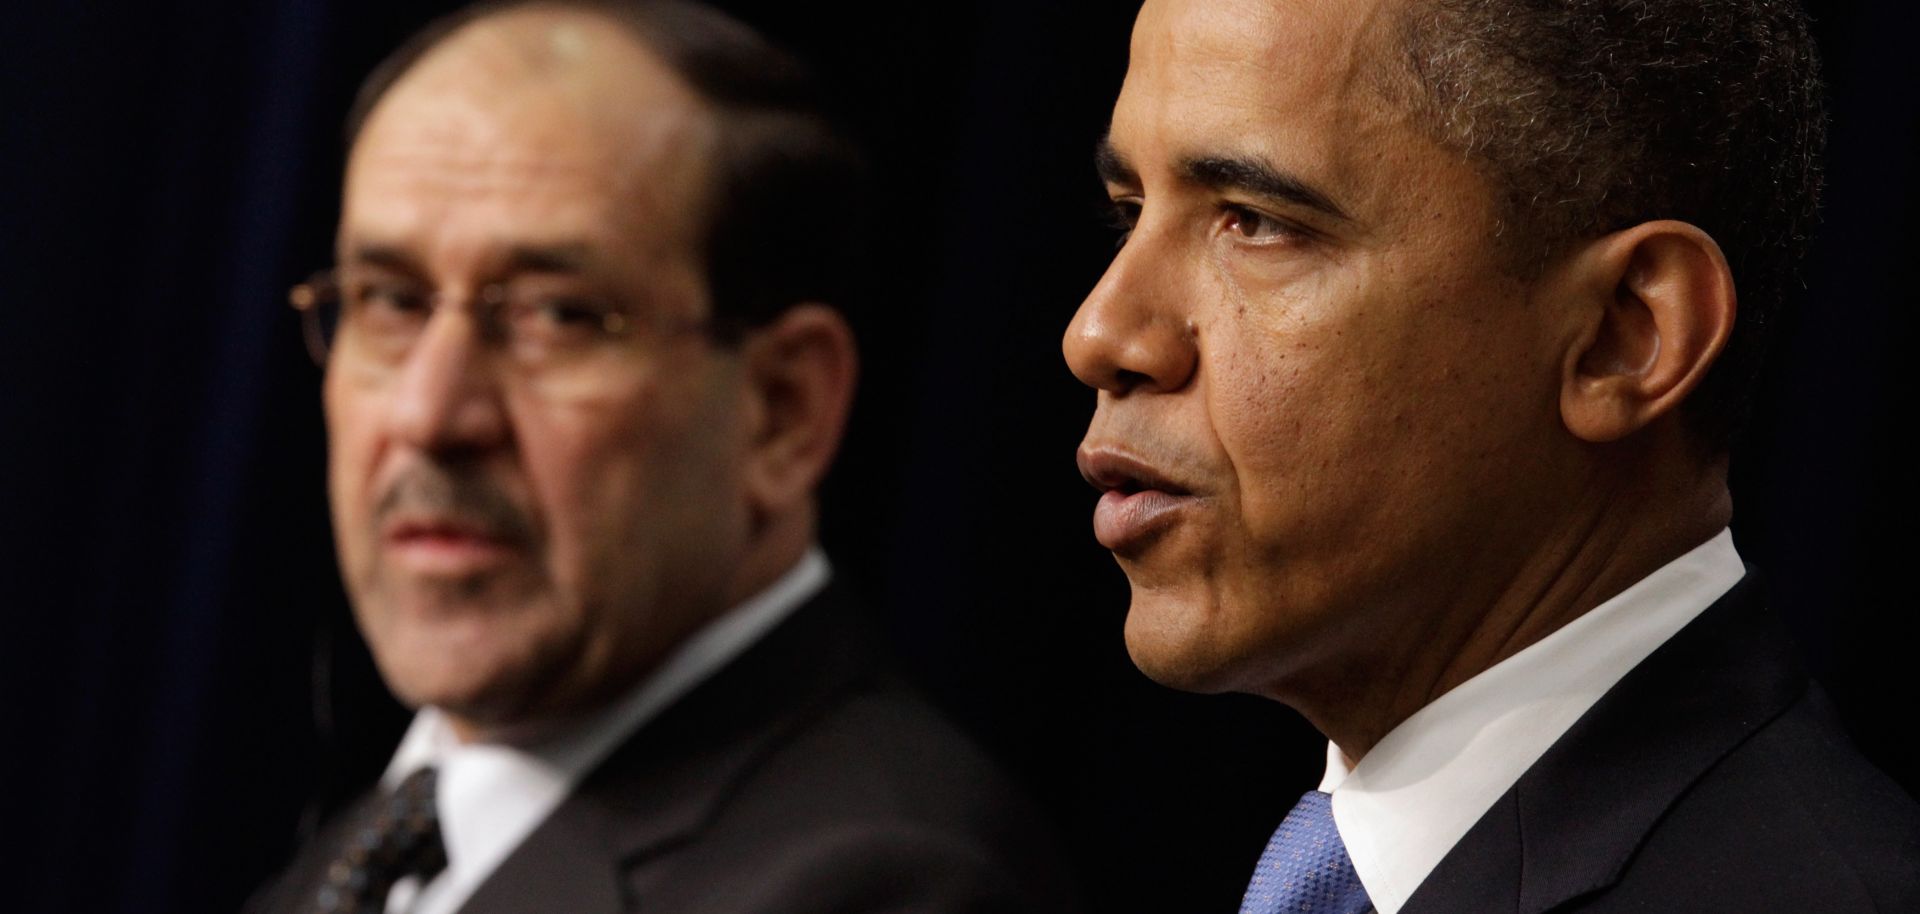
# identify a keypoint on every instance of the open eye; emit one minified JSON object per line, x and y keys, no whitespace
{"x":385,"y":299}
{"x":543,"y":325}
{"x":1254,"y":225}
{"x":1122,"y":215}
{"x":388,"y":312}
{"x":567,"y":314}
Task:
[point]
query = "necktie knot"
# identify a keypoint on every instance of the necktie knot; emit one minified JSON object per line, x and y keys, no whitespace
{"x":1305,"y":868}
{"x":400,"y":838}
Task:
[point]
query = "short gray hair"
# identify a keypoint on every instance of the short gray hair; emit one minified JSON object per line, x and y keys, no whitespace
{"x":1589,"y":116}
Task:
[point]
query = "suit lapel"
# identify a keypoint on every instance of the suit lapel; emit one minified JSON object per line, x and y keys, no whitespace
{"x":292,"y":892}
{"x":665,"y":782}
{"x":1574,"y":820}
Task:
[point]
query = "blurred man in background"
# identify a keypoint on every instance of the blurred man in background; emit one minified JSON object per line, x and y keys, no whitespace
{"x":583,"y":374}
{"x":1417,"y":373}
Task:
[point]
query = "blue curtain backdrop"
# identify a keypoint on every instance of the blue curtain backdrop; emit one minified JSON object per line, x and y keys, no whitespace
{"x":182,"y":688}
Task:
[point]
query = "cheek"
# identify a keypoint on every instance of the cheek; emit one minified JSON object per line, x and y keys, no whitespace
{"x":609,"y":477}
{"x":1298,"y":431}
{"x":1320,"y":400}
{"x":586,"y":469}
{"x":1374,"y":407}
{"x":351,"y":462}
{"x":1296,"y":394}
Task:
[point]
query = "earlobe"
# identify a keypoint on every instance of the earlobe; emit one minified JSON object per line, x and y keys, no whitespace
{"x":800,"y":372}
{"x":1658,"y":305}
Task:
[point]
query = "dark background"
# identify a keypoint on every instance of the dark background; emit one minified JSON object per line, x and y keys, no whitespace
{"x":179,"y":675}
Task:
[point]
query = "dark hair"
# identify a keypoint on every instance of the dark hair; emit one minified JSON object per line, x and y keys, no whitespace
{"x":788,"y":218}
{"x":1590,"y":116}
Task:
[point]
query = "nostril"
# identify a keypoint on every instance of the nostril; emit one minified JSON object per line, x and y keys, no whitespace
{"x":1127,"y":379}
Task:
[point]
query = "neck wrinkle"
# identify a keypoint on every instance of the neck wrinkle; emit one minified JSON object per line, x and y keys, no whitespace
{"x":1613,"y":540}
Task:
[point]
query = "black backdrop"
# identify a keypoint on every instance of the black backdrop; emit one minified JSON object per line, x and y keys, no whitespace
{"x":179,"y":675}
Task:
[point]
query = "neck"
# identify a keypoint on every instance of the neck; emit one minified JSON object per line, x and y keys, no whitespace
{"x":775,"y":543}
{"x":1624,"y":526}
{"x":778,"y":543}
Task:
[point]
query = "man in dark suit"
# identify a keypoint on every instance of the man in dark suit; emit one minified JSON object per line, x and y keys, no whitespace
{"x":1417,"y":370}
{"x":583,"y":375}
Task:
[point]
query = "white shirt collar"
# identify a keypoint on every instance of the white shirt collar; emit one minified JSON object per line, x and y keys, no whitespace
{"x":1419,"y":790}
{"x":491,"y":796}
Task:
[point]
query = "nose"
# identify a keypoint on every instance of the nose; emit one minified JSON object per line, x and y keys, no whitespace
{"x":446,"y":398}
{"x":1132,"y":331}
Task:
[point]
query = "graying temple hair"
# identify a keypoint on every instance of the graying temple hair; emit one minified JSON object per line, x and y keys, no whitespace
{"x":1589,"y":116}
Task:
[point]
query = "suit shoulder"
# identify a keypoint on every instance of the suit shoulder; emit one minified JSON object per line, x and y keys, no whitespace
{"x":881,"y":754}
{"x":1794,"y":816}
{"x":878,"y":802}
{"x":1862,"y":821}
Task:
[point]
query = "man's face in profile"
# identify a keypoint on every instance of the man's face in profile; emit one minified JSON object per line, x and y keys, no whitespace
{"x":532,"y":506}
{"x":1314,"y":367}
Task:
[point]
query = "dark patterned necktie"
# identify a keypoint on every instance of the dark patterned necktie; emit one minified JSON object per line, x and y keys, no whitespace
{"x":1305,"y":868}
{"x":400,"y":838}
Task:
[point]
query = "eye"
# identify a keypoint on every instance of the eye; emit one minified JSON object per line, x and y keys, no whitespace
{"x":569,"y":313}
{"x":1254,"y":225}
{"x":1122,"y":216}
{"x":543,"y":325}
{"x":385,"y":296}
{"x":385,"y":309}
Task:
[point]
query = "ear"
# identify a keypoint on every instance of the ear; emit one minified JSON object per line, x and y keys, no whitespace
{"x":800,"y":373}
{"x":1654,"y":305}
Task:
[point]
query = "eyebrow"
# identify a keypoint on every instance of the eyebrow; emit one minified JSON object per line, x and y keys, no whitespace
{"x":1254,"y":176}
{"x":389,"y":256}
{"x":1247,"y":174}
{"x":555,"y":258}
{"x":1112,"y":166}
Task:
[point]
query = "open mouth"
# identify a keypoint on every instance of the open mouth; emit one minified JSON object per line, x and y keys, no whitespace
{"x":1110,"y":471}
{"x":1133,"y":485}
{"x":1138,"y":502}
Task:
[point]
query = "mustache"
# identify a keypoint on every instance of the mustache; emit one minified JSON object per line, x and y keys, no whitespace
{"x":464,"y":497}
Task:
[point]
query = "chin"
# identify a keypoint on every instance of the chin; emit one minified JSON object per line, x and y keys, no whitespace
{"x":1178,"y":644}
{"x":473,"y":668}
{"x":467,"y":689}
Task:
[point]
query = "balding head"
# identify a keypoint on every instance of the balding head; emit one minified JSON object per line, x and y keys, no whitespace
{"x":559,"y":102}
{"x":776,"y":166}
{"x":544,"y":77}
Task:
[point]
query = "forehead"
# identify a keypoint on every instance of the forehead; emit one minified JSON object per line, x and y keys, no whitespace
{"x":1302,"y":84}
{"x":530,"y":124}
{"x":1295,"y":50}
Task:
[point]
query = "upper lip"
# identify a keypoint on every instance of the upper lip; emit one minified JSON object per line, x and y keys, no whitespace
{"x":1107,"y":469}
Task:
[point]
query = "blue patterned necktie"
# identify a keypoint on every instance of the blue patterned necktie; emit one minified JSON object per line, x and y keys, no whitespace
{"x":1305,"y":868}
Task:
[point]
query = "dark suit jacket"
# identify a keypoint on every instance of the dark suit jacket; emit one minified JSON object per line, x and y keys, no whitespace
{"x":800,"y":778}
{"x":1713,"y":778}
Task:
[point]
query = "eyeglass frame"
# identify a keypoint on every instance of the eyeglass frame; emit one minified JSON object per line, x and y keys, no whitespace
{"x":309,"y":297}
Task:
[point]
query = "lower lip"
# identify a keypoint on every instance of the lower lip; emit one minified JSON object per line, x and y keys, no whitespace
{"x":1124,"y":521}
{"x":449,"y":555}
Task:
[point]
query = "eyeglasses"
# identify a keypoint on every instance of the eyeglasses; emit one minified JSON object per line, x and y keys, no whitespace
{"x":374,"y":319}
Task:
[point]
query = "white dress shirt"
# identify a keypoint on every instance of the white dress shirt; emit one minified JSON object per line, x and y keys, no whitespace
{"x":1416,"y":794}
{"x":491,"y":796}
